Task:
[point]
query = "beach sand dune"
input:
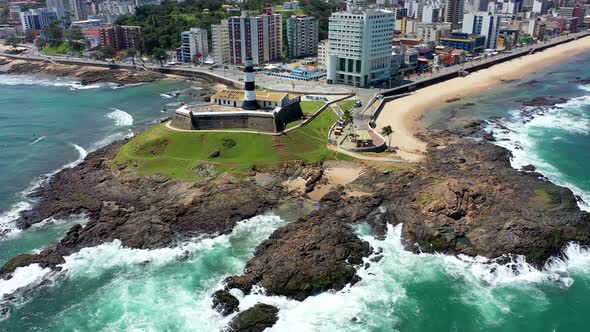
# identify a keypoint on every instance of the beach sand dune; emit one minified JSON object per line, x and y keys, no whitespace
{"x":403,"y":114}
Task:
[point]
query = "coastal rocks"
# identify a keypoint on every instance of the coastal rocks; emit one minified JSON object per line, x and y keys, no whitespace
{"x":528,"y":168}
{"x":87,"y":75}
{"x":304,"y":258}
{"x":141,"y":212}
{"x":224,"y":302}
{"x":468,"y":199}
{"x":543,"y":101}
{"x":255,"y":319}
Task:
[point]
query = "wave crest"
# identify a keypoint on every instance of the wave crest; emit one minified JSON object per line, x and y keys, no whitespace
{"x":120,"y":117}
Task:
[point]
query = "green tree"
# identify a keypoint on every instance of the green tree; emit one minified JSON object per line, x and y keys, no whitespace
{"x":107,"y":52}
{"x":160,"y":55}
{"x":387,"y":131}
{"x":75,"y":37}
{"x":12,"y":42}
{"x":54,"y":33}
{"x":40,"y":43}
{"x":132,"y":53}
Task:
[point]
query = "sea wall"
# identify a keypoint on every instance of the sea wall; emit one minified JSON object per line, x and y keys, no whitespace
{"x":234,"y":120}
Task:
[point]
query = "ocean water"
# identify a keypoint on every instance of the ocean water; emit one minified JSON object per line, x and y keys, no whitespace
{"x":111,"y":288}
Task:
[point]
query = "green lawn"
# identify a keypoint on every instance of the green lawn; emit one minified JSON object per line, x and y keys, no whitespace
{"x":174,"y":154}
{"x":57,"y":49}
{"x":346,"y":104}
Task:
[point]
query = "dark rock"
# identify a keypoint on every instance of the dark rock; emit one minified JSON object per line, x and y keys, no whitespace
{"x":305,"y":257}
{"x":543,"y":101}
{"x":528,"y":168}
{"x":450,"y":100}
{"x":489,"y":137}
{"x":255,"y":319}
{"x":224,"y":302}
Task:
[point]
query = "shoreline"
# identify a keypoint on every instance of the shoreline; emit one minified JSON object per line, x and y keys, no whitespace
{"x":403,"y":114}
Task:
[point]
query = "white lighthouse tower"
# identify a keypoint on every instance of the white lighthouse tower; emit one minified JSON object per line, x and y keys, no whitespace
{"x":250,"y":87}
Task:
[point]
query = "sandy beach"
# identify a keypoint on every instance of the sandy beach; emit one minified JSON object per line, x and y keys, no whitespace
{"x":403,"y":114}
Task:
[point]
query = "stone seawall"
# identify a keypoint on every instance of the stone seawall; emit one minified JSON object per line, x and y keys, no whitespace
{"x":235,"y":120}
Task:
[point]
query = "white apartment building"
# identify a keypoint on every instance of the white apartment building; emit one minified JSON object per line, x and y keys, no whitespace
{"x":360,"y":45}
{"x":540,"y":6}
{"x":430,"y":13}
{"x":483,"y":23}
{"x":432,"y":32}
{"x":323,"y":53}
{"x":220,"y":41}
{"x":194,"y":44}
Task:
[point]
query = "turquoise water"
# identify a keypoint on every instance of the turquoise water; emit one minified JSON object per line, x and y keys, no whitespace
{"x":110,"y":288}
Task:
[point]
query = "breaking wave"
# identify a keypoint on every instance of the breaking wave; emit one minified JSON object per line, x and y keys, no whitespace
{"x":15,"y":80}
{"x":383,"y":297}
{"x":524,"y":131}
{"x":139,"y":280}
{"x":120,"y":117}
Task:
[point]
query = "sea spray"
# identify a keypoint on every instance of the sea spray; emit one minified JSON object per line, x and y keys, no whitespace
{"x":153,"y":290}
{"x":386,"y":297}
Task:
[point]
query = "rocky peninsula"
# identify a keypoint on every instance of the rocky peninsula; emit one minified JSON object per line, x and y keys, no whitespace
{"x":463,"y":198}
{"x":86,"y":74}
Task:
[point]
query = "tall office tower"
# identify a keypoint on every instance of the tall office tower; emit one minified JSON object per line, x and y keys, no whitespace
{"x":359,"y":47}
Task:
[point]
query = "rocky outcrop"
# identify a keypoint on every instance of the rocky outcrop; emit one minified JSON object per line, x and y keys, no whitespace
{"x":543,"y":101}
{"x":87,"y":75}
{"x":141,"y":212}
{"x":306,"y":257}
{"x":468,"y":199}
{"x":255,"y":319}
{"x":224,"y":302}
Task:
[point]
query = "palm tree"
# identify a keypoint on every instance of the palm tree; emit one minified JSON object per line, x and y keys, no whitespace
{"x":387,"y":131}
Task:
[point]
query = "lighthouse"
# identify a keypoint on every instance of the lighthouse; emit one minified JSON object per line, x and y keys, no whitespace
{"x":250,"y":87}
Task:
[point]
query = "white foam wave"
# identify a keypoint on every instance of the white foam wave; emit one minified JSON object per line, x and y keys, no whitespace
{"x":14,"y":80}
{"x":112,"y":138}
{"x":120,"y":117}
{"x":7,"y":220}
{"x":37,"y":140}
{"x":381,"y":299}
{"x":166,"y":96}
{"x":23,"y":277}
{"x":520,"y":135}
{"x":584,"y":87}
{"x":124,"y":86}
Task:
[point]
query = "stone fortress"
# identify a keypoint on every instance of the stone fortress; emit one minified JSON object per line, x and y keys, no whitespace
{"x":263,"y":111}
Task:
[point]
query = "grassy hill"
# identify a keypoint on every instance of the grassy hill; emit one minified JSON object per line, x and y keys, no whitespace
{"x":174,"y":154}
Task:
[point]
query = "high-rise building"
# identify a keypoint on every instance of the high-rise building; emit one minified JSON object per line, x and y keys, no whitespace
{"x":430,"y":14}
{"x":454,"y":12}
{"x":194,"y":45}
{"x":60,"y":8}
{"x":483,"y":23}
{"x":540,"y":6}
{"x":258,"y":37}
{"x":303,"y":33}
{"x":79,"y":10}
{"x":220,"y":41}
{"x":359,"y":51}
{"x":323,"y":53}
{"x":121,"y":37}
{"x":37,"y":19}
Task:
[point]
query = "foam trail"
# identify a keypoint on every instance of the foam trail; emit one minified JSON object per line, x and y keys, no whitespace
{"x":120,"y":117}
{"x":23,"y":277}
{"x":166,"y":96}
{"x":15,"y":80}
{"x":37,"y":140}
